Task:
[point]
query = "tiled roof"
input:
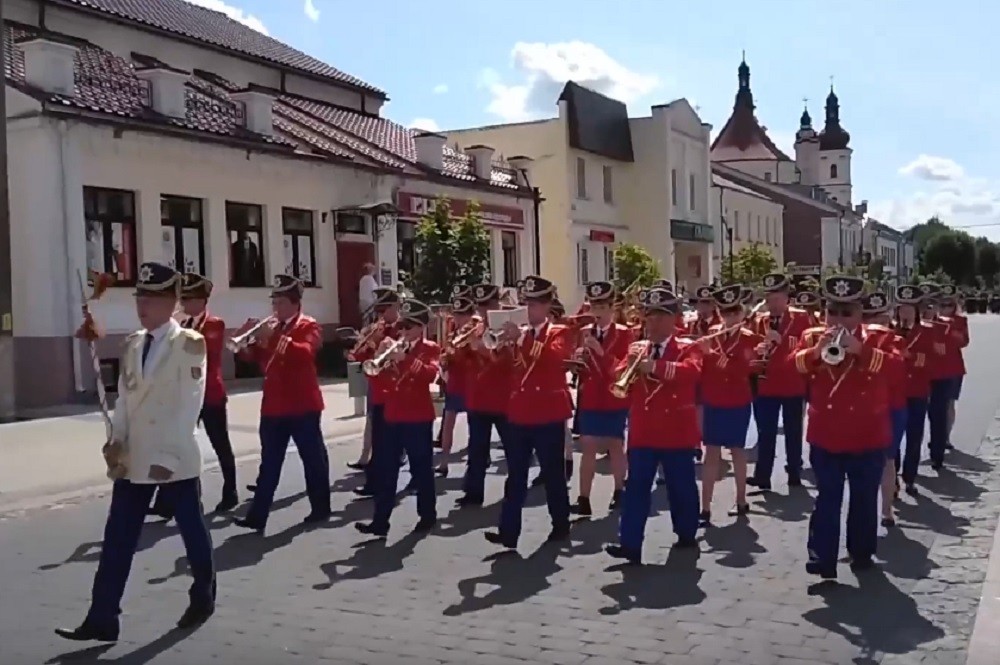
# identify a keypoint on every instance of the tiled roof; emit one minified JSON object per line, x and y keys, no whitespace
{"x":742,"y":138}
{"x":212,"y":27}
{"x":107,"y":85}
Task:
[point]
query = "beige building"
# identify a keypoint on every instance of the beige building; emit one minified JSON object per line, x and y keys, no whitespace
{"x":744,"y":217}
{"x":607,"y":178}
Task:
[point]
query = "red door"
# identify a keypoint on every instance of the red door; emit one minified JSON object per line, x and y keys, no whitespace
{"x":351,"y":259}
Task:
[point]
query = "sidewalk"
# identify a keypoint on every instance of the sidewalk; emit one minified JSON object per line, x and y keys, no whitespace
{"x":41,"y":458}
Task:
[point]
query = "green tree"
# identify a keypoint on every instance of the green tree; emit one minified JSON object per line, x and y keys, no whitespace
{"x":634,"y":266}
{"x":449,"y":251}
{"x":921,"y":234}
{"x":749,"y":265}
{"x":987,"y":261}
{"x":954,"y":253}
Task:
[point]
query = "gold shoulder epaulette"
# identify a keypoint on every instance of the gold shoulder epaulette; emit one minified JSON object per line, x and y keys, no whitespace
{"x":797,"y":310}
{"x":877,"y":327}
{"x":194,"y":342}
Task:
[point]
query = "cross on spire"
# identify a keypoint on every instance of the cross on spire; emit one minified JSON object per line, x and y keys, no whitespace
{"x":831,"y":81}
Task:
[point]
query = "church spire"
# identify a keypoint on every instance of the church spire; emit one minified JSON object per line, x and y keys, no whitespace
{"x":744,"y":98}
{"x":833,"y":136}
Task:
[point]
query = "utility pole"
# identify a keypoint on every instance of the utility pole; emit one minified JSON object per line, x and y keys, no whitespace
{"x":7,"y":387}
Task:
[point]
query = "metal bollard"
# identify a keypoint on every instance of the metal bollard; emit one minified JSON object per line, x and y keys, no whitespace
{"x":357,"y":387}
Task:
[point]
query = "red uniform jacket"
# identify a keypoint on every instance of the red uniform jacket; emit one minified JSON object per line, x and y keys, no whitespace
{"x":458,"y":367}
{"x":407,"y":386}
{"x":488,"y":381}
{"x":369,"y":352}
{"x":291,"y":386}
{"x":917,"y":350}
{"x":956,"y":338}
{"x":213,"y":329}
{"x":539,"y":393}
{"x":780,"y":378}
{"x":937,"y":366}
{"x":894,"y":371}
{"x":594,"y":393}
{"x":662,"y":412}
{"x":848,"y":404}
{"x":725,"y":372}
{"x":701,"y":327}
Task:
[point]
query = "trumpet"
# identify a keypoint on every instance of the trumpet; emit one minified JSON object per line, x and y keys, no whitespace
{"x":628,"y":376}
{"x":383,"y":361}
{"x":833,"y":353}
{"x":369,"y":335}
{"x":241,"y":342}
{"x":466,"y":334}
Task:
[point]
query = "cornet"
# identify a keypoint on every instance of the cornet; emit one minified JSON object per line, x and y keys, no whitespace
{"x":382,"y":361}
{"x":834,"y":353}
{"x":241,"y":342}
{"x":491,"y":339}
{"x":628,"y":376}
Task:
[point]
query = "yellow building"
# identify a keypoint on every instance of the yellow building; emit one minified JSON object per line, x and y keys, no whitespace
{"x":607,"y":178}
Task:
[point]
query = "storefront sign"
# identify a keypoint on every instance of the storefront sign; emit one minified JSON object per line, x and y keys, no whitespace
{"x":690,"y":231}
{"x":414,"y":206}
{"x":602,"y":236}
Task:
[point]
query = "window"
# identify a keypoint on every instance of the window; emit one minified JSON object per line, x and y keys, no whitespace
{"x":673,"y":186}
{"x":692,"y":197}
{"x":767,"y":176}
{"x":581,"y":178}
{"x":511,"y":264}
{"x":759,"y":234}
{"x":110,"y":226}
{"x":767,"y":230}
{"x":244,"y":224}
{"x":609,"y":263}
{"x":582,"y":264}
{"x":348,"y":222}
{"x":833,"y":170}
{"x":300,"y":249}
{"x":406,"y":247}
{"x":183,"y":234}
{"x":609,"y":192}
{"x":736,"y":223}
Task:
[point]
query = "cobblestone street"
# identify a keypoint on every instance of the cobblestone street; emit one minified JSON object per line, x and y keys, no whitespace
{"x":325,"y":595}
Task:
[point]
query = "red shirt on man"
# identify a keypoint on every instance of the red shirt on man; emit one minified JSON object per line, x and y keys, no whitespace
{"x":539,"y":393}
{"x":213,"y":329}
{"x":780,"y":378}
{"x":288,"y":361}
{"x":662,"y":412}
{"x":389,"y":331}
{"x":956,"y":338}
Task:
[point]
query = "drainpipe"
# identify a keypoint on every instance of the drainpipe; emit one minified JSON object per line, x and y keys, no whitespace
{"x":537,"y":200}
{"x":73,"y":301}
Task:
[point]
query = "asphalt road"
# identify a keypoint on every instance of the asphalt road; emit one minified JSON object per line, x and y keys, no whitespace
{"x":324,"y":595}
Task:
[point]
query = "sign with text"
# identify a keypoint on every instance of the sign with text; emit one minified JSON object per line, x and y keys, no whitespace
{"x":601,"y":236}
{"x":414,"y":206}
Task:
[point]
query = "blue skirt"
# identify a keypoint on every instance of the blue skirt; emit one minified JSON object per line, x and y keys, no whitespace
{"x":604,"y":424}
{"x":726,"y":426}
{"x":899,"y":418}
{"x":454,"y":403}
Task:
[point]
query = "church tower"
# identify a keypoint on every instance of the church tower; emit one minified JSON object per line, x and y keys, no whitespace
{"x":834,"y":154}
{"x":807,"y":150}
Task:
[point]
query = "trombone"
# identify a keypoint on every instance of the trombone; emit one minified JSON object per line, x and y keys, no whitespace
{"x":241,"y":342}
{"x":623,"y":383}
{"x":383,"y":361}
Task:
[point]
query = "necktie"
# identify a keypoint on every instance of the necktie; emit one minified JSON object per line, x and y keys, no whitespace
{"x":600,"y":336}
{"x":657,"y":351}
{"x":188,"y":322}
{"x":146,"y":346}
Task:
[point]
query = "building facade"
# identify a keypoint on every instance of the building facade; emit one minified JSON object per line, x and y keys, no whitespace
{"x":744,"y":218}
{"x":607,"y":178}
{"x":892,"y":248}
{"x":135,"y":139}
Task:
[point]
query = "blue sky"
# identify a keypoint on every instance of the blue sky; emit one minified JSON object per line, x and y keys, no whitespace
{"x":918,"y":89}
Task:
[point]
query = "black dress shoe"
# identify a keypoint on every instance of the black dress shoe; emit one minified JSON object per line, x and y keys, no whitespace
{"x":619,"y":552}
{"x":247,"y":524}
{"x":582,"y":507}
{"x":495,"y":538}
{"x":316,"y":518}
{"x":365,"y":492}
{"x":558,"y":534}
{"x":686,"y":543}
{"x":441,"y":472}
{"x":195,"y":615}
{"x":538,"y":481}
{"x":425,"y":524}
{"x":616,"y":500}
{"x":794,"y":480}
{"x":87,"y":634}
{"x":251,"y":488}
{"x":911,"y":489}
{"x":937,"y":466}
{"x":369,"y":529}
{"x":469,"y":501}
{"x":740,"y":510}
{"x":888,"y":522}
{"x":762,"y":485}
{"x":227,"y":504}
{"x":825,"y":571}
{"x":705,"y":518}
{"x":357,"y":466}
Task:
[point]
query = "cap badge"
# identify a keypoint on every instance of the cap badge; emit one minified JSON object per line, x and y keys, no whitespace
{"x":457,"y":304}
{"x":877,"y":301}
{"x":729,"y":296}
{"x":770,"y":280}
{"x":145,"y":275}
{"x":529,"y":285}
{"x":595,"y":290}
{"x":841,"y":288}
{"x":907,"y":293}
{"x":405,"y":308}
{"x":277,"y":282}
{"x":655,"y":298}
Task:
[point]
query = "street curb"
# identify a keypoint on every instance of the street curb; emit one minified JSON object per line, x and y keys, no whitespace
{"x":18,"y":506}
{"x":984,"y":644}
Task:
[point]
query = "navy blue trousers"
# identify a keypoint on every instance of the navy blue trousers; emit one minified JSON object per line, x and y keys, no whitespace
{"x":129,"y":503}
{"x":916,"y":414}
{"x":937,"y":417}
{"x":863,"y":475}
{"x":415,"y":439}
{"x":481,"y":426}
{"x":682,"y":492}
{"x":275,"y":433}
{"x":547,"y":443}
{"x":377,"y":419}
{"x":765,"y":413}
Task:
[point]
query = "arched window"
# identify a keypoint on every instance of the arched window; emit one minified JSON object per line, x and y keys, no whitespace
{"x":833,"y":170}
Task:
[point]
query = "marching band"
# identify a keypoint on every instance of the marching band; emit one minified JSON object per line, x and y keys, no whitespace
{"x":853,"y":374}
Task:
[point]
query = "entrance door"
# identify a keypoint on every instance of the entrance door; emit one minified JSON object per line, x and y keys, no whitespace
{"x":351,"y":258}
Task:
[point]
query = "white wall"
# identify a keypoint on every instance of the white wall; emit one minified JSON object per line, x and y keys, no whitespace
{"x":838,"y":187}
{"x":741,"y":212}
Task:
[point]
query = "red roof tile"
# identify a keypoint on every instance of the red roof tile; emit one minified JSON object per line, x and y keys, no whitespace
{"x":212,"y":27}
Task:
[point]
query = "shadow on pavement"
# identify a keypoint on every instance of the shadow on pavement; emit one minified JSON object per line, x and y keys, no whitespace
{"x":674,"y":583}
{"x":371,"y":559}
{"x":516,"y":579}
{"x":140,"y":656}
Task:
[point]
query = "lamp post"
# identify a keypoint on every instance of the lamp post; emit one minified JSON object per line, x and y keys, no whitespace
{"x":7,"y":387}
{"x":729,"y":236}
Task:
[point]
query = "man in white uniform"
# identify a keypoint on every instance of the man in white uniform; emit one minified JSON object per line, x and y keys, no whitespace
{"x":153,"y":447}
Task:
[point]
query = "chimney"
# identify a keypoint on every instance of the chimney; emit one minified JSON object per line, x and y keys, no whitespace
{"x":483,"y":156}
{"x":522,"y":165}
{"x":258,"y":110}
{"x":167,"y":89}
{"x":430,"y":149}
{"x":48,"y":64}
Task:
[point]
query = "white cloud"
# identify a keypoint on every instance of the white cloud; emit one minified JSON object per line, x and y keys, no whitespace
{"x":425,"y":124}
{"x":311,"y":12}
{"x":927,"y":167}
{"x":234,"y":13}
{"x":440,"y":88}
{"x":543,"y":70}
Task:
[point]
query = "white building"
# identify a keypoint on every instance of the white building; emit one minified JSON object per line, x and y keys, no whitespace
{"x":745,"y":217}
{"x":607,"y":178}
{"x":184,"y":137}
{"x":891,"y":247}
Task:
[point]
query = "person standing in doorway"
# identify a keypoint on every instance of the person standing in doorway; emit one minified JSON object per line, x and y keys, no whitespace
{"x":366,"y":294}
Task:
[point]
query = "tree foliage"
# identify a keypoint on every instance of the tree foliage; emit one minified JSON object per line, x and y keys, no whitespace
{"x":634,"y":266}
{"x":449,"y":251}
{"x":749,"y":265}
{"x":952,"y":252}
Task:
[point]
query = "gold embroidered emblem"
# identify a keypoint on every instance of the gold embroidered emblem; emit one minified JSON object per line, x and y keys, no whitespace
{"x":196,"y":373}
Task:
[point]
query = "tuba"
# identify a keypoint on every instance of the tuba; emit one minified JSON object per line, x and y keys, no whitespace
{"x":833,"y":353}
{"x":628,"y":376}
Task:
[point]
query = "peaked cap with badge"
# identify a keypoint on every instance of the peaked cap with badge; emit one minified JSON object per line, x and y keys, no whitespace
{"x":843,"y":288}
{"x":908,"y":294}
{"x":599,"y":292}
{"x":156,"y":279}
{"x":660,"y":300}
{"x":286,"y":286}
{"x":463,"y":305}
{"x":483,"y":293}
{"x":461,"y":291}
{"x":948,"y":292}
{"x":196,"y":287}
{"x":875,"y":303}
{"x":776,"y":282}
{"x":807,"y":299}
{"x":414,"y":311}
{"x":746,"y":295}
{"x":538,"y":288}
{"x":704,"y":294}
{"x":385,"y":297}
{"x":663,"y":284}
{"x":728,"y":297}
{"x":931,"y":290}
